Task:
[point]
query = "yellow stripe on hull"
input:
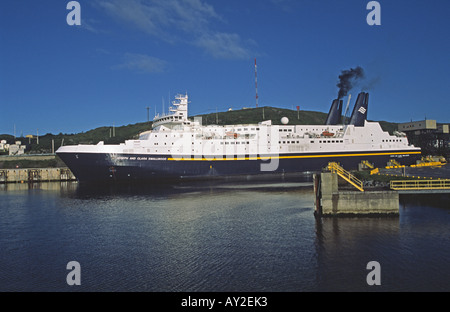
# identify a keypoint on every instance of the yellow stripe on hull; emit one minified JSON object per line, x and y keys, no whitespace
{"x":291,"y":157}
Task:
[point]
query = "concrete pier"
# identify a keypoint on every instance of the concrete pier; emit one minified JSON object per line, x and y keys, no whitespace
{"x":30,"y":175}
{"x":333,"y":201}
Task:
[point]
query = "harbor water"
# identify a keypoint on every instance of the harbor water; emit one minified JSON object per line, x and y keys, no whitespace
{"x":246,"y":236}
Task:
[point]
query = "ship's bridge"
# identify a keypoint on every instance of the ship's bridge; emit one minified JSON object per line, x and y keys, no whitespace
{"x":177,"y":115}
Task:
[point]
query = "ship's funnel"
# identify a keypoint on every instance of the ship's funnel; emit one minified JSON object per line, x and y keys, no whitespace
{"x":359,"y":114}
{"x":334,"y":115}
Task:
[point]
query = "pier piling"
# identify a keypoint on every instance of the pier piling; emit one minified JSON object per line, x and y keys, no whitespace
{"x":332,"y":201}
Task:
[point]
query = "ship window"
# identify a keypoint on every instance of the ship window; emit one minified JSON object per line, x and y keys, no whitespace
{"x":298,"y":142}
{"x":252,"y":129}
{"x":319,"y":141}
{"x":312,"y":141}
{"x":245,"y":129}
{"x":332,"y":141}
{"x":284,"y":142}
{"x":342,"y":141}
{"x":257,"y":129}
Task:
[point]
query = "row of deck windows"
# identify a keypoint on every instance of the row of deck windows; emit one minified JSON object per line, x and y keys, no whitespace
{"x":292,"y":142}
{"x":221,"y":143}
{"x":297,"y":142}
{"x":246,"y":129}
{"x":332,"y":141}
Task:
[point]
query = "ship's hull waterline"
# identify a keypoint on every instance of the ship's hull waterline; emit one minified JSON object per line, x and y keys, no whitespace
{"x":105,"y":167}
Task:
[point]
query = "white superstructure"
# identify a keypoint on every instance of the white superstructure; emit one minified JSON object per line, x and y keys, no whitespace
{"x":174,"y":134}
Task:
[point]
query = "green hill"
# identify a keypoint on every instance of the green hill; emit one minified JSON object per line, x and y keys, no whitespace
{"x":255,"y":115}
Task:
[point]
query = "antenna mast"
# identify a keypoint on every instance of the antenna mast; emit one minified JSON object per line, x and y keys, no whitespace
{"x":256,"y":85}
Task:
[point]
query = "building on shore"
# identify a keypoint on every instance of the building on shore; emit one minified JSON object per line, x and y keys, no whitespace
{"x":428,"y":134}
{"x":14,"y":149}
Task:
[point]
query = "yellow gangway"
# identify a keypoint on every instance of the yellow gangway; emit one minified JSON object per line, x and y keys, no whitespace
{"x":347,"y":176}
{"x":368,"y":164}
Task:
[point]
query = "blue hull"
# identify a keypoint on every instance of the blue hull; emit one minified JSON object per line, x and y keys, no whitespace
{"x":103,"y":167}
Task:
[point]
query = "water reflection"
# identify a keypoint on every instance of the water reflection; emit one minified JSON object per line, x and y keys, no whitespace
{"x":345,"y":246}
{"x":214,"y":236}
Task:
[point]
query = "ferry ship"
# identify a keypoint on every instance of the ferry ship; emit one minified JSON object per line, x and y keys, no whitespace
{"x":179,"y":148}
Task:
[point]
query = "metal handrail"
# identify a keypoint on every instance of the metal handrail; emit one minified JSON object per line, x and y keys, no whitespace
{"x":334,"y":167}
{"x":442,"y":184}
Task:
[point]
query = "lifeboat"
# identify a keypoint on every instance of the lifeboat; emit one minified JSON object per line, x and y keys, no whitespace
{"x":232,"y":134}
{"x":327,"y":134}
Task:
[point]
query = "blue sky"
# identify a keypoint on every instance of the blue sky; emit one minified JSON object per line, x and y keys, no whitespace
{"x":127,"y":55}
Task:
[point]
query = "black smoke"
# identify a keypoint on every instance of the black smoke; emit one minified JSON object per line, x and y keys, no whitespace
{"x":347,"y":78}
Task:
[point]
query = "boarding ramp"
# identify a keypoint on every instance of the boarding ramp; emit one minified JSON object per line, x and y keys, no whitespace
{"x":367,"y":164}
{"x":344,"y":174}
